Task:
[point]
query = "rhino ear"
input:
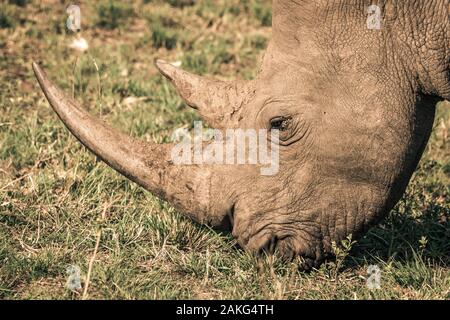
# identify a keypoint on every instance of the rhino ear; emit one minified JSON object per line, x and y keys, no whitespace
{"x":215,"y":100}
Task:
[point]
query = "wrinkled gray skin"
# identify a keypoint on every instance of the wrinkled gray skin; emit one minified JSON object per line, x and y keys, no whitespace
{"x":355,"y":108}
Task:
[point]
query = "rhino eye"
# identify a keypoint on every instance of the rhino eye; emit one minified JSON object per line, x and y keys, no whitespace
{"x":280,"y":123}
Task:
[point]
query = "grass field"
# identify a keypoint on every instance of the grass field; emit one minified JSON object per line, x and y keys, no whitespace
{"x":53,"y":191}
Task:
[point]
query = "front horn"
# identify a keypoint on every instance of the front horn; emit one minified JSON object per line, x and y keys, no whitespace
{"x":187,"y":188}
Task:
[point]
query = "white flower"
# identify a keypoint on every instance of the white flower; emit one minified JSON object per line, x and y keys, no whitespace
{"x":79,"y":44}
{"x":124,"y":72}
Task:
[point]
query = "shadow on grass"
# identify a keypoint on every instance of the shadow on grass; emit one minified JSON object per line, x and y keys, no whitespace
{"x":403,"y":237}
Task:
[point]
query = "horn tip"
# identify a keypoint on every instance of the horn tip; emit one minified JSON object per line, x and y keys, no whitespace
{"x":160,"y":61}
{"x":165,"y":68}
{"x":35,"y":66}
{"x":161,"y":64}
{"x":39,"y":73}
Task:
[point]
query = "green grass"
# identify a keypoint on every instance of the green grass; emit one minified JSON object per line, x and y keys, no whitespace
{"x":113,"y":14}
{"x":7,"y":16}
{"x":52,"y":190}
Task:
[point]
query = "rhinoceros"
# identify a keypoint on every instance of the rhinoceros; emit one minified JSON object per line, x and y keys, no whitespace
{"x":353,"y":99}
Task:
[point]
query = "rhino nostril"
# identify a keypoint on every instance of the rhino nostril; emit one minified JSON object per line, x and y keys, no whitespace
{"x":230,"y":214}
{"x":227,"y":222}
{"x":273,"y":244}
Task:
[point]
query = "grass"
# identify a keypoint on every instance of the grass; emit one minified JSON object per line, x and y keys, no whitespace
{"x":113,"y":14}
{"x":6,"y":16}
{"x":52,"y":191}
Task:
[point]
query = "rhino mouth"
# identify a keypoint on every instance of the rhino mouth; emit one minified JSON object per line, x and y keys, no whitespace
{"x":285,"y":246}
{"x":286,"y":250}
